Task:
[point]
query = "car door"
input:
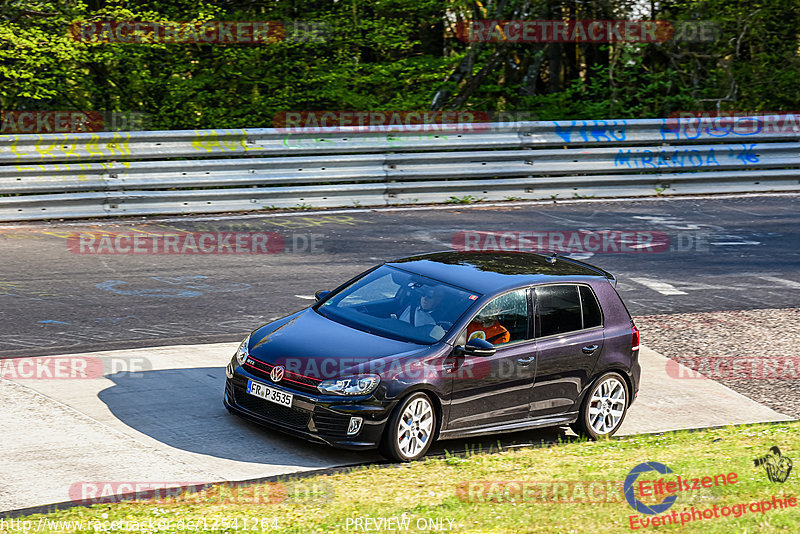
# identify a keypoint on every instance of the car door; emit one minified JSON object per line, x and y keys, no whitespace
{"x":569,"y":341}
{"x":496,"y":389}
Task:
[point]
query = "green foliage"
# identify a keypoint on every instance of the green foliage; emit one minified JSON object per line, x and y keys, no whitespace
{"x":466,"y":199}
{"x":393,"y":55}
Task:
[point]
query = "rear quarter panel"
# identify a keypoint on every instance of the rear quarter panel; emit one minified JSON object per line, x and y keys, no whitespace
{"x":617,"y":353}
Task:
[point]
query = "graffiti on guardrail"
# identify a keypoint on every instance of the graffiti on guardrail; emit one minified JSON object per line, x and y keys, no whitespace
{"x":99,"y":168}
{"x":61,"y":146}
{"x":692,"y":124}
{"x":599,"y":131}
{"x":310,"y":129}
{"x":211,"y":141}
{"x":42,"y":158}
{"x":640,"y":158}
{"x":689,"y":126}
{"x":746,"y":155}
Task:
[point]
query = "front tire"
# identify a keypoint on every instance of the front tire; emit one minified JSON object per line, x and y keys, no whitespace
{"x":604,"y":408}
{"x":410,"y":430}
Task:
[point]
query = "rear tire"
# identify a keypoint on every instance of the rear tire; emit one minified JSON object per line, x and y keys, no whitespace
{"x":410,"y":430}
{"x":604,"y":407}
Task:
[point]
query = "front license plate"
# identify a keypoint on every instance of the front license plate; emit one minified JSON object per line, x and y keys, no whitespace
{"x":271,"y":394}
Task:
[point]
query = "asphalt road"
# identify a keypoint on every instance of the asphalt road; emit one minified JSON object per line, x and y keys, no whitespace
{"x":722,"y":254}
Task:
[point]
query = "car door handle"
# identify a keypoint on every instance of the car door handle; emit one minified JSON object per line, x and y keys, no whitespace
{"x":589,"y":349}
{"x":449,"y":367}
{"x":526,"y":361}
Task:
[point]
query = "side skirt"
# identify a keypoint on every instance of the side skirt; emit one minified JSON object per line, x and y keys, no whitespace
{"x":563,"y":419}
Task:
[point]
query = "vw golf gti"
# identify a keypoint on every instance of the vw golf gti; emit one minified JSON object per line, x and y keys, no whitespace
{"x":444,"y":345}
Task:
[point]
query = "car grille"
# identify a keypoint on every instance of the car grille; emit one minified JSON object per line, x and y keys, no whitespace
{"x":331,"y":425}
{"x":290,"y":380}
{"x":292,"y":417}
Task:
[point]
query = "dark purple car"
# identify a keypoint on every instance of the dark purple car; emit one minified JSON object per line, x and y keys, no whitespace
{"x":444,"y":345}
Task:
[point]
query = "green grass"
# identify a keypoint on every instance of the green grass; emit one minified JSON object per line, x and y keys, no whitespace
{"x":467,"y":199}
{"x":429,"y":489}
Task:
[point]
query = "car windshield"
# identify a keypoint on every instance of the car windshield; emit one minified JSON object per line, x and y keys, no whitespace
{"x":398,"y":304}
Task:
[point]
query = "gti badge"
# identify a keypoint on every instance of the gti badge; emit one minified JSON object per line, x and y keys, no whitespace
{"x":277,"y":373}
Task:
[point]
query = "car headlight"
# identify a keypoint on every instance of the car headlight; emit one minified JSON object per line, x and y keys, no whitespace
{"x":241,"y":352}
{"x":350,"y":385}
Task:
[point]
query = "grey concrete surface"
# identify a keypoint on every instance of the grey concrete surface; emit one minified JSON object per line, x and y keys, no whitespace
{"x":166,"y":424}
{"x":668,"y":403}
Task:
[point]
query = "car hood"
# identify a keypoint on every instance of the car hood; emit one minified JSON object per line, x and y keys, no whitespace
{"x":313,"y":345}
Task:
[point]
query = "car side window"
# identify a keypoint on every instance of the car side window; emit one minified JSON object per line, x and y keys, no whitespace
{"x":592,"y":316}
{"x":559,"y":309}
{"x":503,"y":320}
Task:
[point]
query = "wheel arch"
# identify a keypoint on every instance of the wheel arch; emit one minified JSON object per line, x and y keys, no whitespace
{"x":435,"y":401}
{"x":621,"y":371}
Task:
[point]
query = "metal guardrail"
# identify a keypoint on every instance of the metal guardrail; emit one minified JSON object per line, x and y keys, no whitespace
{"x":205,"y":171}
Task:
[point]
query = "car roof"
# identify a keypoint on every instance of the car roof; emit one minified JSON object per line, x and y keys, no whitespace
{"x":489,"y":272}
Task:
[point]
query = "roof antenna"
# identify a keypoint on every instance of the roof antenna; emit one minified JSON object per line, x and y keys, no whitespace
{"x":552,"y":258}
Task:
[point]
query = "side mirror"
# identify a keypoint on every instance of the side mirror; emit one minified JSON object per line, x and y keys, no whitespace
{"x":321,"y":294}
{"x":478,"y":347}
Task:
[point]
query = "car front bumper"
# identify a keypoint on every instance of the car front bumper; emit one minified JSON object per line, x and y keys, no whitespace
{"x":319,"y":419}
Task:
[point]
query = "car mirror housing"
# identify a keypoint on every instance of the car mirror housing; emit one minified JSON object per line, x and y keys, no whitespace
{"x":478,"y":347}
{"x":321,"y":294}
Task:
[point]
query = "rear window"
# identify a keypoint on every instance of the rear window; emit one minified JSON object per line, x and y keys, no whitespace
{"x":566,"y":308}
{"x":591,"y":309}
{"x":559,"y":309}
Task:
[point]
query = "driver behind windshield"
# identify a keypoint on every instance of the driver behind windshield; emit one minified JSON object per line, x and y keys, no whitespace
{"x":420,"y":315}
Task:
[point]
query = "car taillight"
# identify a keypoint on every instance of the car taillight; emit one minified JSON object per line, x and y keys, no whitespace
{"x":635,"y":339}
